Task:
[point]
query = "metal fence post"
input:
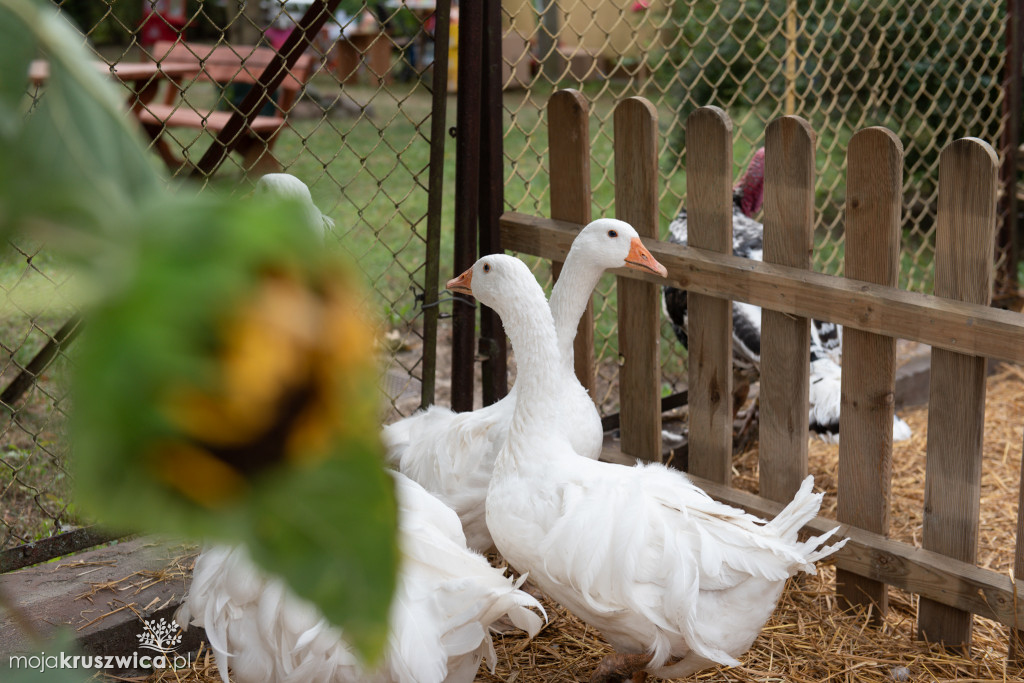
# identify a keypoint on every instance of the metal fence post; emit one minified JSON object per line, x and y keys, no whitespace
{"x":467,"y":197}
{"x":435,"y":196}
{"x":1008,"y":238}
{"x":492,"y":198}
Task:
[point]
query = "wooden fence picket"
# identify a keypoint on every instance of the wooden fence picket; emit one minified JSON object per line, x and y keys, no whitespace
{"x":964,"y":243}
{"x":785,"y":339}
{"x":709,"y":226}
{"x":636,"y":202}
{"x":1016,"y":645}
{"x":957,"y":322}
{"x":569,"y":154}
{"x":874,"y":200}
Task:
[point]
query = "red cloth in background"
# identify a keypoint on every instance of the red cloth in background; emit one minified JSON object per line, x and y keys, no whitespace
{"x":161,"y":20}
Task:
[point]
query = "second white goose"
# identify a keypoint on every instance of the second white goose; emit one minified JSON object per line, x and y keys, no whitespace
{"x":446,"y":599}
{"x":452,"y":454}
{"x":674,"y":580}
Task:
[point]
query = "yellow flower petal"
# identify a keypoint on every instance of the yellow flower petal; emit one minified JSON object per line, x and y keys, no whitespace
{"x":196,"y":474}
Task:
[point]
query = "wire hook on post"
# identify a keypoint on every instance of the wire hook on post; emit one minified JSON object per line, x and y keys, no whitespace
{"x":455,"y":298}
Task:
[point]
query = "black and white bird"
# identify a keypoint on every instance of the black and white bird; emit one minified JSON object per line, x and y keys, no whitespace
{"x":826,"y":337}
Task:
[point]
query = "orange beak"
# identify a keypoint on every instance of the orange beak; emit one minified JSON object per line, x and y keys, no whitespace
{"x":641,"y":259}
{"x":462,"y":284}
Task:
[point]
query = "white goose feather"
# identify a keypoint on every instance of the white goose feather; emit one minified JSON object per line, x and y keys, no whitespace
{"x":452,"y":454}
{"x":287,"y":186}
{"x":447,"y":598}
{"x":639,"y":553}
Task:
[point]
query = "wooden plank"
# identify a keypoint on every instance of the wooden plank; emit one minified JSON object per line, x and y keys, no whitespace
{"x":785,"y":339}
{"x":569,"y":155}
{"x":48,"y":600}
{"x":874,"y":198}
{"x":964,"y":243}
{"x":1016,"y":645}
{"x":982,"y":591}
{"x":943,"y":579}
{"x":944,"y":323}
{"x":709,"y":212}
{"x":636,"y":202}
{"x":926,"y":573}
{"x":46,"y":549}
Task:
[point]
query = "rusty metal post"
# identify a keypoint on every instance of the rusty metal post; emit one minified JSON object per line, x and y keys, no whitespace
{"x":435,"y":195}
{"x":467,"y":196}
{"x":31,"y":372}
{"x":46,"y":549}
{"x":1008,"y":237}
{"x":492,"y":199}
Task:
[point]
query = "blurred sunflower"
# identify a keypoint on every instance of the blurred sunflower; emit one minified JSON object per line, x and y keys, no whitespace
{"x":235,"y":377}
{"x":224,"y":386}
{"x":289,"y":363}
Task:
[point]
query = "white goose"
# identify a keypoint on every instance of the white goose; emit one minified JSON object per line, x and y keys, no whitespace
{"x":287,"y":186}
{"x":640,"y":553}
{"x":452,"y":454}
{"x":447,"y":597}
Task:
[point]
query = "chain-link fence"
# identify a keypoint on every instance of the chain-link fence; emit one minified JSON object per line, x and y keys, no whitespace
{"x":931,"y":71}
{"x":39,"y":317}
{"x":359,"y":134}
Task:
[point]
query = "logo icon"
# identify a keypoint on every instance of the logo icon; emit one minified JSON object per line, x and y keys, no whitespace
{"x":160,"y":636}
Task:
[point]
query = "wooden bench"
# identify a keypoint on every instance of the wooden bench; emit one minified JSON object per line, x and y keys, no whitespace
{"x":224,"y":64}
{"x":371,"y":49}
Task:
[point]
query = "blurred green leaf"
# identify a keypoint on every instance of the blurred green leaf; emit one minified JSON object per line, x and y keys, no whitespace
{"x":327,"y":522}
{"x":334,"y":561}
{"x":225,"y":382}
{"x":74,"y":162}
{"x":19,"y":47}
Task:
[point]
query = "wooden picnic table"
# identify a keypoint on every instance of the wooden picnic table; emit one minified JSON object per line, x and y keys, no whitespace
{"x":370,"y":48}
{"x":142,"y":78}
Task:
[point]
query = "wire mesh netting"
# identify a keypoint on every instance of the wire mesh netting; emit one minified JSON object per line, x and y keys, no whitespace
{"x":930,"y":71}
{"x":352,"y":120}
{"x":39,"y":315}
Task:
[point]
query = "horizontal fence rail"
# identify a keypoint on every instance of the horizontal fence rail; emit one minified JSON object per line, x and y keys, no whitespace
{"x":966,"y":328}
{"x":929,"y":574}
{"x":958,"y":323}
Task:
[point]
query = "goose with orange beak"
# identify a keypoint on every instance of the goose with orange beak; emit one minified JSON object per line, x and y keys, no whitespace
{"x":675,"y":581}
{"x":452,"y":454}
{"x":638,"y":258}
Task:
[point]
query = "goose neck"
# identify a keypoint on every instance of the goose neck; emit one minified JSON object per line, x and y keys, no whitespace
{"x":540,"y":371}
{"x":569,"y":299}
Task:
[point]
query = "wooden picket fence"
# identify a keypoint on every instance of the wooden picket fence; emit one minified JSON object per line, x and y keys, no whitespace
{"x":957,"y":322}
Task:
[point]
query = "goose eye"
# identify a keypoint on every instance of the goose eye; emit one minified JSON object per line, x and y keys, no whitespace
{"x":487,"y":267}
{"x":613,"y":233}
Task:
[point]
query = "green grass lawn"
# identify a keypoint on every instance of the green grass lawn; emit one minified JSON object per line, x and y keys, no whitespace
{"x":368,"y":170}
{"x":38,"y":296}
